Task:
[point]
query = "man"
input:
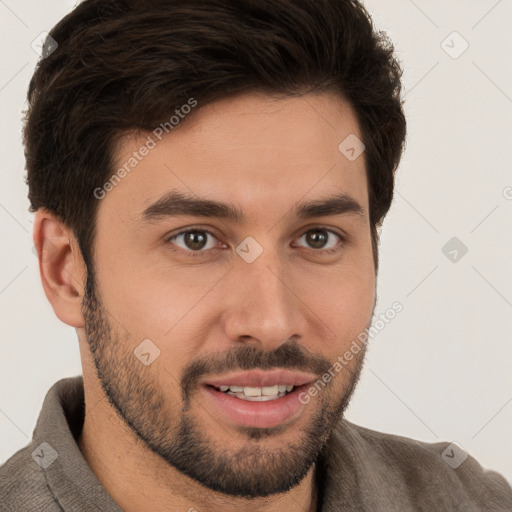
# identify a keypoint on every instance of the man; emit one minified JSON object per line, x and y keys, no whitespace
{"x":208,"y":179}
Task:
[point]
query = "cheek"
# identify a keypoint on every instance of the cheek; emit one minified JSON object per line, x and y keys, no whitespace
{"x":158,"y":302}
{"x":342,"y":299}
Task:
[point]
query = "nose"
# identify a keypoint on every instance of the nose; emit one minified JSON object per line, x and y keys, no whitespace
{"x":263,"y":310}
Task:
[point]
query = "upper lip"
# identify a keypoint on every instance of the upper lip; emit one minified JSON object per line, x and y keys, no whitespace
{"x":262,"y":378}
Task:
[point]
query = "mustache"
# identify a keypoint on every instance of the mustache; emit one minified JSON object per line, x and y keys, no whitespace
{"x":289,"y":356}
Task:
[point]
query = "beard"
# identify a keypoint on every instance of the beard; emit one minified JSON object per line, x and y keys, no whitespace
{"x":173,"y":432}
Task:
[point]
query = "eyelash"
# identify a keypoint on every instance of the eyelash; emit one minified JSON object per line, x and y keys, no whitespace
{"x":200,"y":253}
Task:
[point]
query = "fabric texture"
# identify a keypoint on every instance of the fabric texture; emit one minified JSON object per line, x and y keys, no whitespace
{"x":357,"y":470}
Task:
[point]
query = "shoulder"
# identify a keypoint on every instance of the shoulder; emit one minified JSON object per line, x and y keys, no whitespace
{"x":433,"y":475}
{"x":23,"y":484}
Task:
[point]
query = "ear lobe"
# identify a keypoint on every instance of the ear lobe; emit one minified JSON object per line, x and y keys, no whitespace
{"x":61,"y":267}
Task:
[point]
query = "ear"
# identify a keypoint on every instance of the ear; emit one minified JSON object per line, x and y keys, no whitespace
{"x":61,"y":267}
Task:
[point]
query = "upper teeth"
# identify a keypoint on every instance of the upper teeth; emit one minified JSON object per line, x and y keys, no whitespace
{"x":264,"y":391}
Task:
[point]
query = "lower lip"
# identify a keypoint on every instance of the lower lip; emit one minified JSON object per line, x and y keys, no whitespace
{"x":256,"y":414}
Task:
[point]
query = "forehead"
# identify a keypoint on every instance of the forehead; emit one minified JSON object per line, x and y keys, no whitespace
{"x":255,"y":150}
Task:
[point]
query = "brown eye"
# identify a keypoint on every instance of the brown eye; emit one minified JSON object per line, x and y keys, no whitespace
{"x":194,"y":240}
{"x":317,"y":239}
{"x":321,"y":239}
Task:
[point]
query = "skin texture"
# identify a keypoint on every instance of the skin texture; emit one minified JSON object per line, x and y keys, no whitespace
{"x":150,"y":435}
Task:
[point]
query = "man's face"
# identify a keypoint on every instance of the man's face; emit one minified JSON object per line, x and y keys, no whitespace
{"x":216,"y":304}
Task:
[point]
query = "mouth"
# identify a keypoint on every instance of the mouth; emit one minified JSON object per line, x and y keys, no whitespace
{"x":257,"y":394}
{"x":263,"y":407}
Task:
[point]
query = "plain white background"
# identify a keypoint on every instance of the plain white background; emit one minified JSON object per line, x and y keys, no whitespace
{"x":441,"y":370}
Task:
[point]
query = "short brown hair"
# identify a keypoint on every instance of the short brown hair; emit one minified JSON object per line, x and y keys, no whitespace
{"x":128,"y":64}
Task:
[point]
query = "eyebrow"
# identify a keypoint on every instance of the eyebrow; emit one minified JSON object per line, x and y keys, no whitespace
{"x":176,"y":203}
